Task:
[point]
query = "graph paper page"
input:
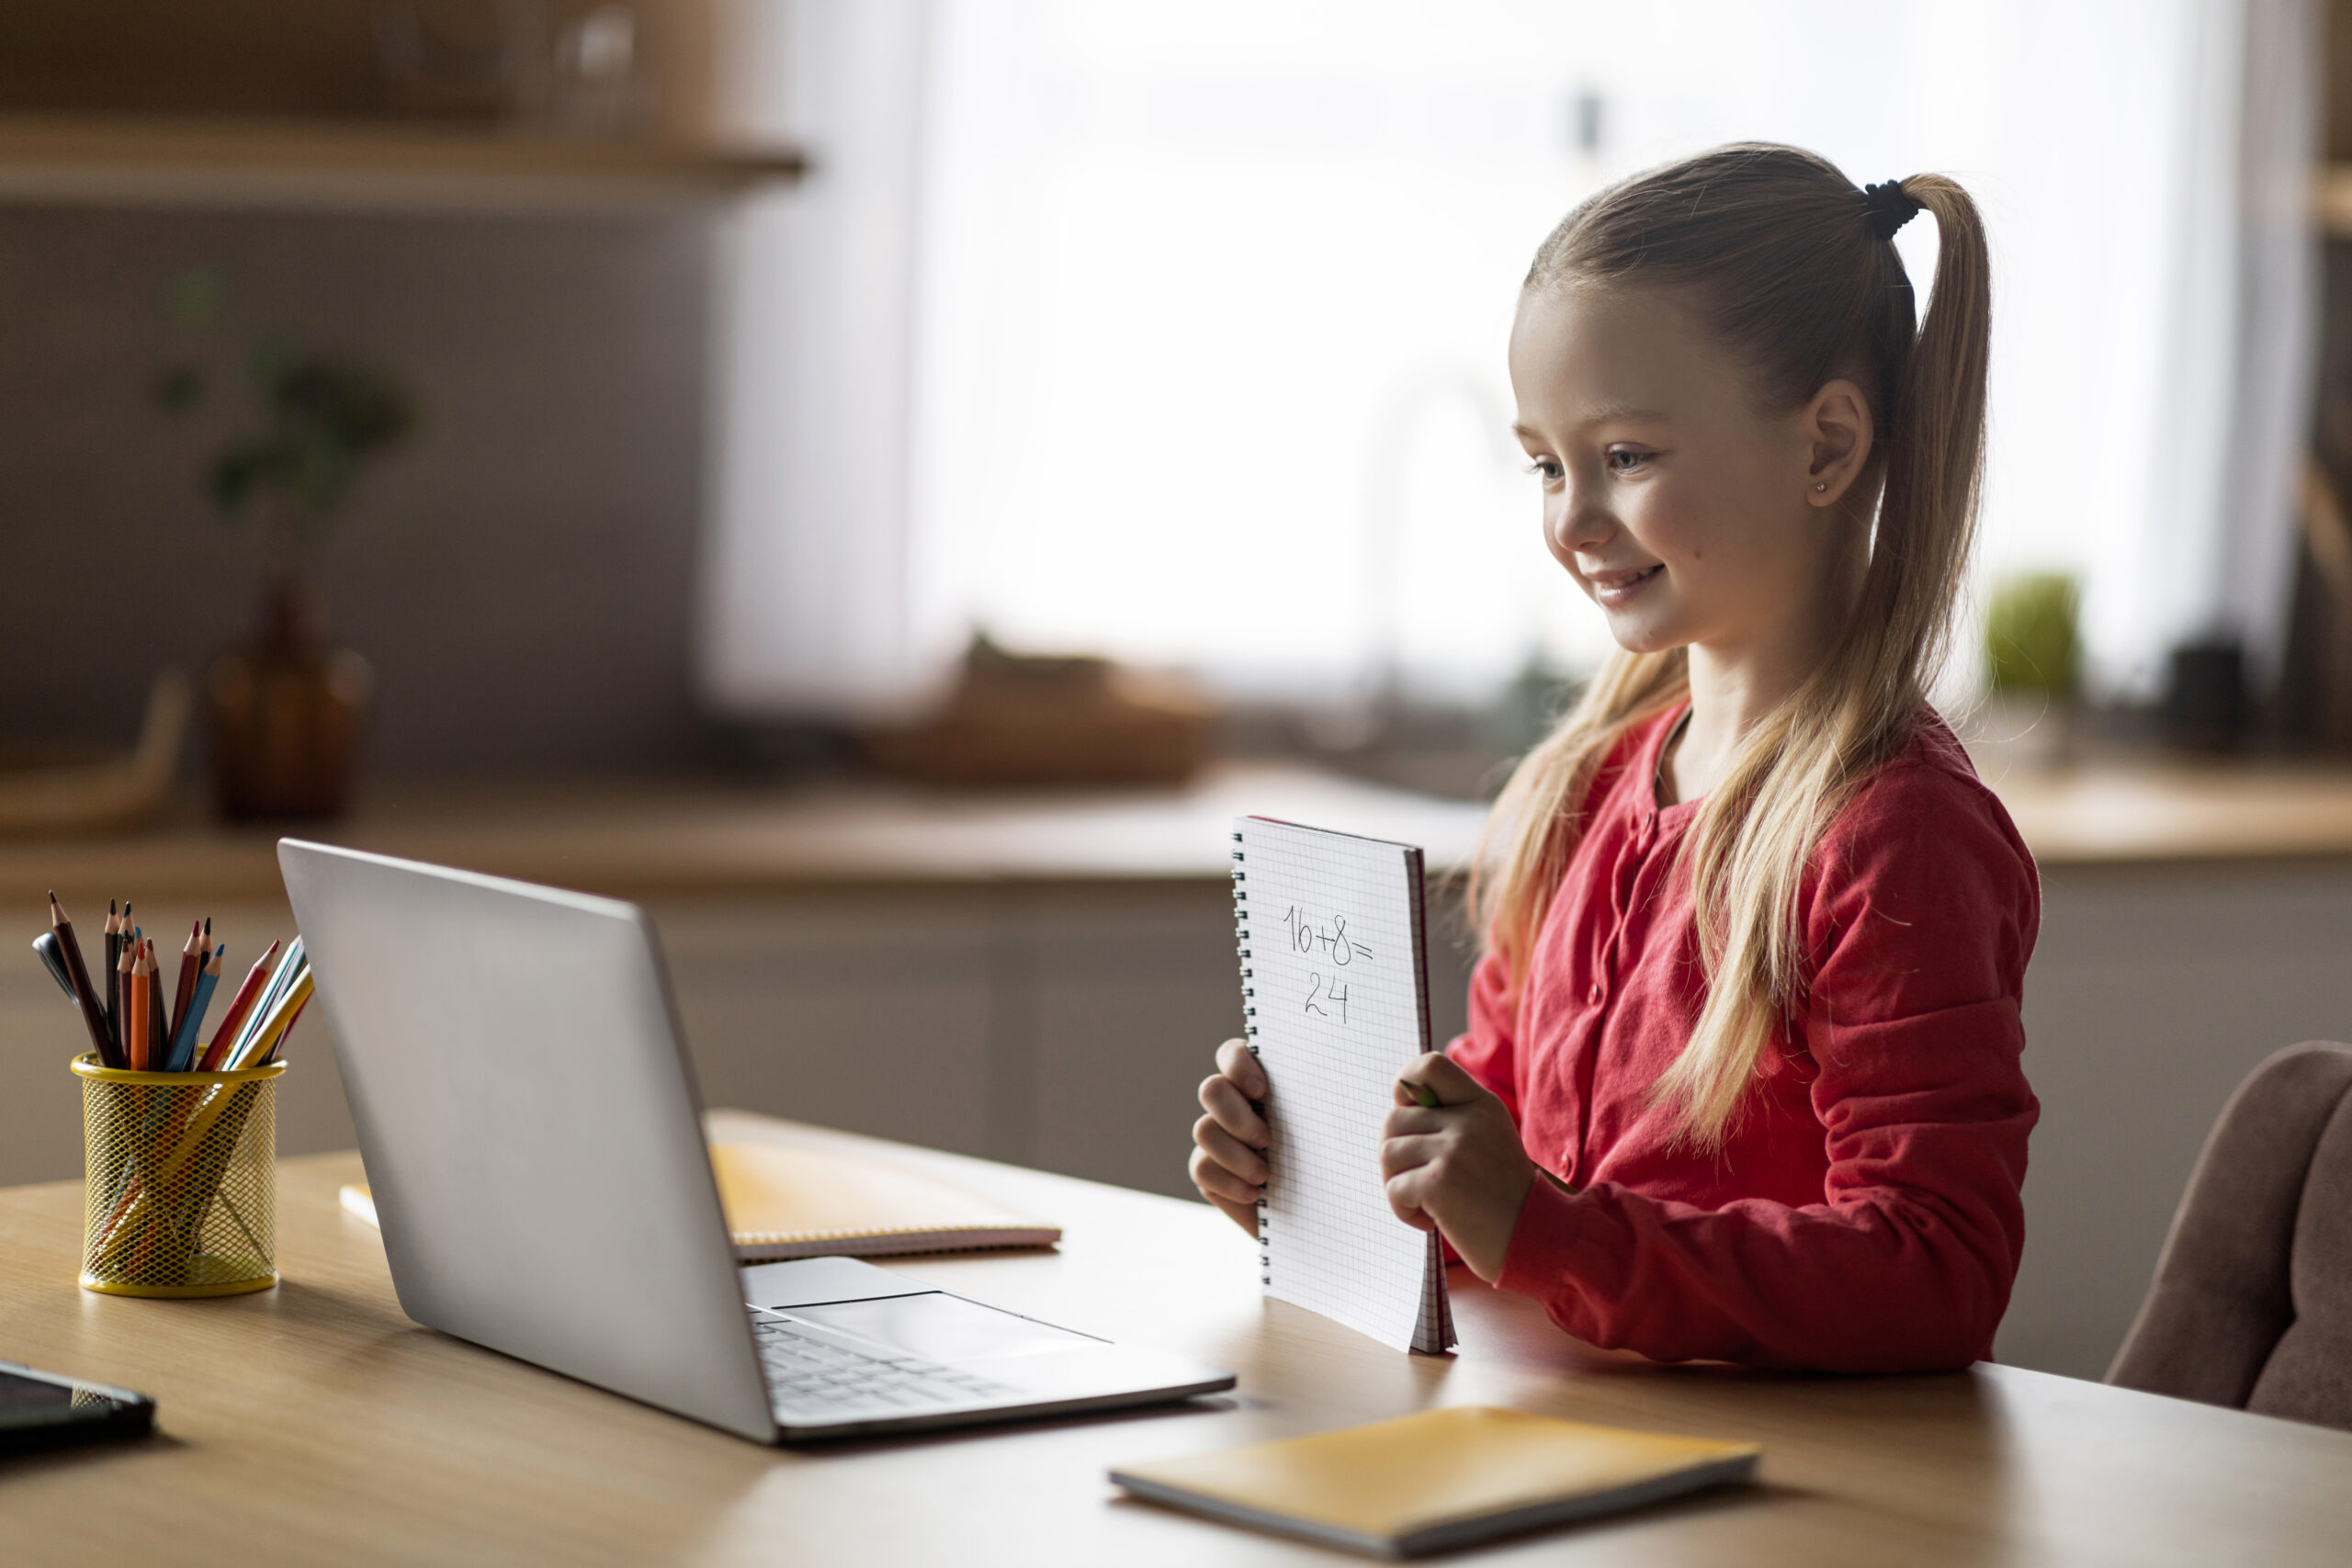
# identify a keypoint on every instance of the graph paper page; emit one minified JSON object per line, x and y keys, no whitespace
{"x":1332,"y":977}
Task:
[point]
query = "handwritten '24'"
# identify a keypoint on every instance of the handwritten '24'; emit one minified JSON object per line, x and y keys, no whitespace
{"x":1336,"y":944}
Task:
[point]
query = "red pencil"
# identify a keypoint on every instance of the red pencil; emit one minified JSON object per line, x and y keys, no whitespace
{"x":191,"y":964}
{"x":236,"y":1013}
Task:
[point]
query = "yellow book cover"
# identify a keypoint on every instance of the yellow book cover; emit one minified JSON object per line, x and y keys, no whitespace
{"x":1439,"y":1479}
{"x":790,"y":1202}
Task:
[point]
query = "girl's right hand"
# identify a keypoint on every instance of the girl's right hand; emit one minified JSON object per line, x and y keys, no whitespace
{"x":1229,"y":1143}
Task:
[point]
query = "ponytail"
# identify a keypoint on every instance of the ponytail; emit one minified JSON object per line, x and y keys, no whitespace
{"x":1797,"y":272}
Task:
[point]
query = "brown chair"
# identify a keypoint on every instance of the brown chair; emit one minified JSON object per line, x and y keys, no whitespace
{"x":2252,"y":1303}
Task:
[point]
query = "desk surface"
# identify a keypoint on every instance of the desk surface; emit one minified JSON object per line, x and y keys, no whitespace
{"x":640,"y":840}
{"x":315,"y":1424}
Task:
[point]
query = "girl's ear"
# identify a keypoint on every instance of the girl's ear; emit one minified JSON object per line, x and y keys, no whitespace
{"x":1837,"y":431}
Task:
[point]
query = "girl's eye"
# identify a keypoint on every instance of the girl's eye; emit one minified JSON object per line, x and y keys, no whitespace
{"x":1622,"y":461}
{"x":1548,"y":469}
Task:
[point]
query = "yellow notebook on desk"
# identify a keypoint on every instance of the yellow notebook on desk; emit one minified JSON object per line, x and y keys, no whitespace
{"x":1440,"y":1480}
{"x":791,"y":1202}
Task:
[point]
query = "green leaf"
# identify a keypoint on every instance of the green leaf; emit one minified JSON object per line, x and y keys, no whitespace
{"x":2031,"y":641}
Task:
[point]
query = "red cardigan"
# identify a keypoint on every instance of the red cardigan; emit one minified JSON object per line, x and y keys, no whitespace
{"x":1863,"y":1213}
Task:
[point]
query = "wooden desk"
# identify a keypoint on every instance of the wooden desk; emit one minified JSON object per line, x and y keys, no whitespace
{"x":314,"y":1424}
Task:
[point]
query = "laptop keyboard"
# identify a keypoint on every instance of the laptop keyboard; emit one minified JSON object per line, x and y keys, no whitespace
{"x":808,"y":1376}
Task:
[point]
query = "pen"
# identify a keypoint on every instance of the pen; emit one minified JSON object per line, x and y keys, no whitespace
{"x":1423,"y":1096}
{"x":63,"y":929}
{"x":53,"y":961}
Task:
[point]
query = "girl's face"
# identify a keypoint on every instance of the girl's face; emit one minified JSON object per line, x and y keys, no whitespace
{"x":1688,"y":514}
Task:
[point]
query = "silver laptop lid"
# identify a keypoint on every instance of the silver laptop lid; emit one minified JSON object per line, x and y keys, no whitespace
{"x":530,"y":1126}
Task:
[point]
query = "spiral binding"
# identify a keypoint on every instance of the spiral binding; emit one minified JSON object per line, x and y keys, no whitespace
{"x":1249,"y":1022}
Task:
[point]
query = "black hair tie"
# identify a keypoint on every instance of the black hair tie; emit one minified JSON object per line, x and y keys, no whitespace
{"x":1886,"y":207}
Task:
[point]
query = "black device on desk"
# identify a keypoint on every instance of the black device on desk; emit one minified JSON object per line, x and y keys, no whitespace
{"x":41,"y":1410}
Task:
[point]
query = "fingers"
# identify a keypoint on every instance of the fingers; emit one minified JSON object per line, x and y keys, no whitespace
{"x":1242,"y":1214}
{"x":1400,"y":1154}
{"x":1410,"y":1120}
{"x":1216,"y":1182}
{"x":1224,"y":1100}
{"x":1235,"y":1060}
{"x":1230,"y":1151}
{"x":1404,"y":1194}
{"x":1441,"y":1074}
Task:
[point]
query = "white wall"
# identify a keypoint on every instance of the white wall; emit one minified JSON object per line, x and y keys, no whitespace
{"x":2152,"y":993}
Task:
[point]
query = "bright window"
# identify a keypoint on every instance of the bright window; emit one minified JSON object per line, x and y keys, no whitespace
{"x":1207,"y":306}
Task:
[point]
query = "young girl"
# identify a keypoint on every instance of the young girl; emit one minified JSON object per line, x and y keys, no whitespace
{"x":1741,"y":1076}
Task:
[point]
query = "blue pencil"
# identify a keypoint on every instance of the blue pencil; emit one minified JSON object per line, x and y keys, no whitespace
{"x":183,"y":1054}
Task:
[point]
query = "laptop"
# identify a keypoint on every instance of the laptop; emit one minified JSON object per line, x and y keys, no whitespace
{"x":534,"y":1141}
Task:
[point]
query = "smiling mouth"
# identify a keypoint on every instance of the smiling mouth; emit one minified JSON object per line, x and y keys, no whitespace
{"x":1616,"y":587}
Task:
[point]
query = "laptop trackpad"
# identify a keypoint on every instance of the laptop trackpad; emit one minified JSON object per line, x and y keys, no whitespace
{"x":941,"y":1328}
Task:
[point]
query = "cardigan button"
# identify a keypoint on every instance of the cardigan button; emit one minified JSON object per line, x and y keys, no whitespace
{"x":1593,"y":996}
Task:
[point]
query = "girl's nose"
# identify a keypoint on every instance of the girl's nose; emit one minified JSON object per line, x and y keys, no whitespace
{"x":1582,"y":522}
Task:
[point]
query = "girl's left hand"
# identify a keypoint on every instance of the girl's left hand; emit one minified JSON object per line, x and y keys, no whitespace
{"x":1457,"y":1167}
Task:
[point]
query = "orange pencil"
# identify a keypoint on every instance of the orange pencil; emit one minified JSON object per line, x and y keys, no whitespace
{"x":223,"y":1036}
{"x":191,"y":964}
{"x":134,"y":1014}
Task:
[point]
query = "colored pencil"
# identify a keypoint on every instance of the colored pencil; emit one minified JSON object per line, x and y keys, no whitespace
{"x":158,"y":1036}
{"x":75,"y":970}
{"x":122,"y":964}
{"x":280,"y":1043}
{"x":183,"y":1056}
{"x":114,"y":980}
{"x":226,"y":1036}
{"x":134,"y":1013}
{"x":183,"y":986}
{"x":290,"y":969}
{"x":263,"y":1038}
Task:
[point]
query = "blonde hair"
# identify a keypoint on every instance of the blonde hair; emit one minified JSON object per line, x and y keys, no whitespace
{"x":1790,"y":265}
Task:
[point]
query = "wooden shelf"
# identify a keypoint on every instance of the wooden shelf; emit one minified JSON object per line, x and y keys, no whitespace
{"x":303,"y":165}
{"x":659,"y":839}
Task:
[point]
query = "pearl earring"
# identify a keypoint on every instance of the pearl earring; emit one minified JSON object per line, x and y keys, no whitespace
{"x":1823,"y":485}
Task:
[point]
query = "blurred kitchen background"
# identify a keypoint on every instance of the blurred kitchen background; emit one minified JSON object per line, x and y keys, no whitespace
{"x":880,"y":482}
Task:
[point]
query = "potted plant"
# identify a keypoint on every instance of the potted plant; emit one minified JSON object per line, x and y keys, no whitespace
{"x":2033,"y":666}
{"x":284,"y":711}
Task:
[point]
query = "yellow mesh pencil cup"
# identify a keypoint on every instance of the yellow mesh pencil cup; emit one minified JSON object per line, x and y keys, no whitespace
{"x":180,"y":1180}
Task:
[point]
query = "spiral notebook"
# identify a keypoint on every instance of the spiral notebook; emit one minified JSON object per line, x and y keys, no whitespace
{"x":1335,"y":1001}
